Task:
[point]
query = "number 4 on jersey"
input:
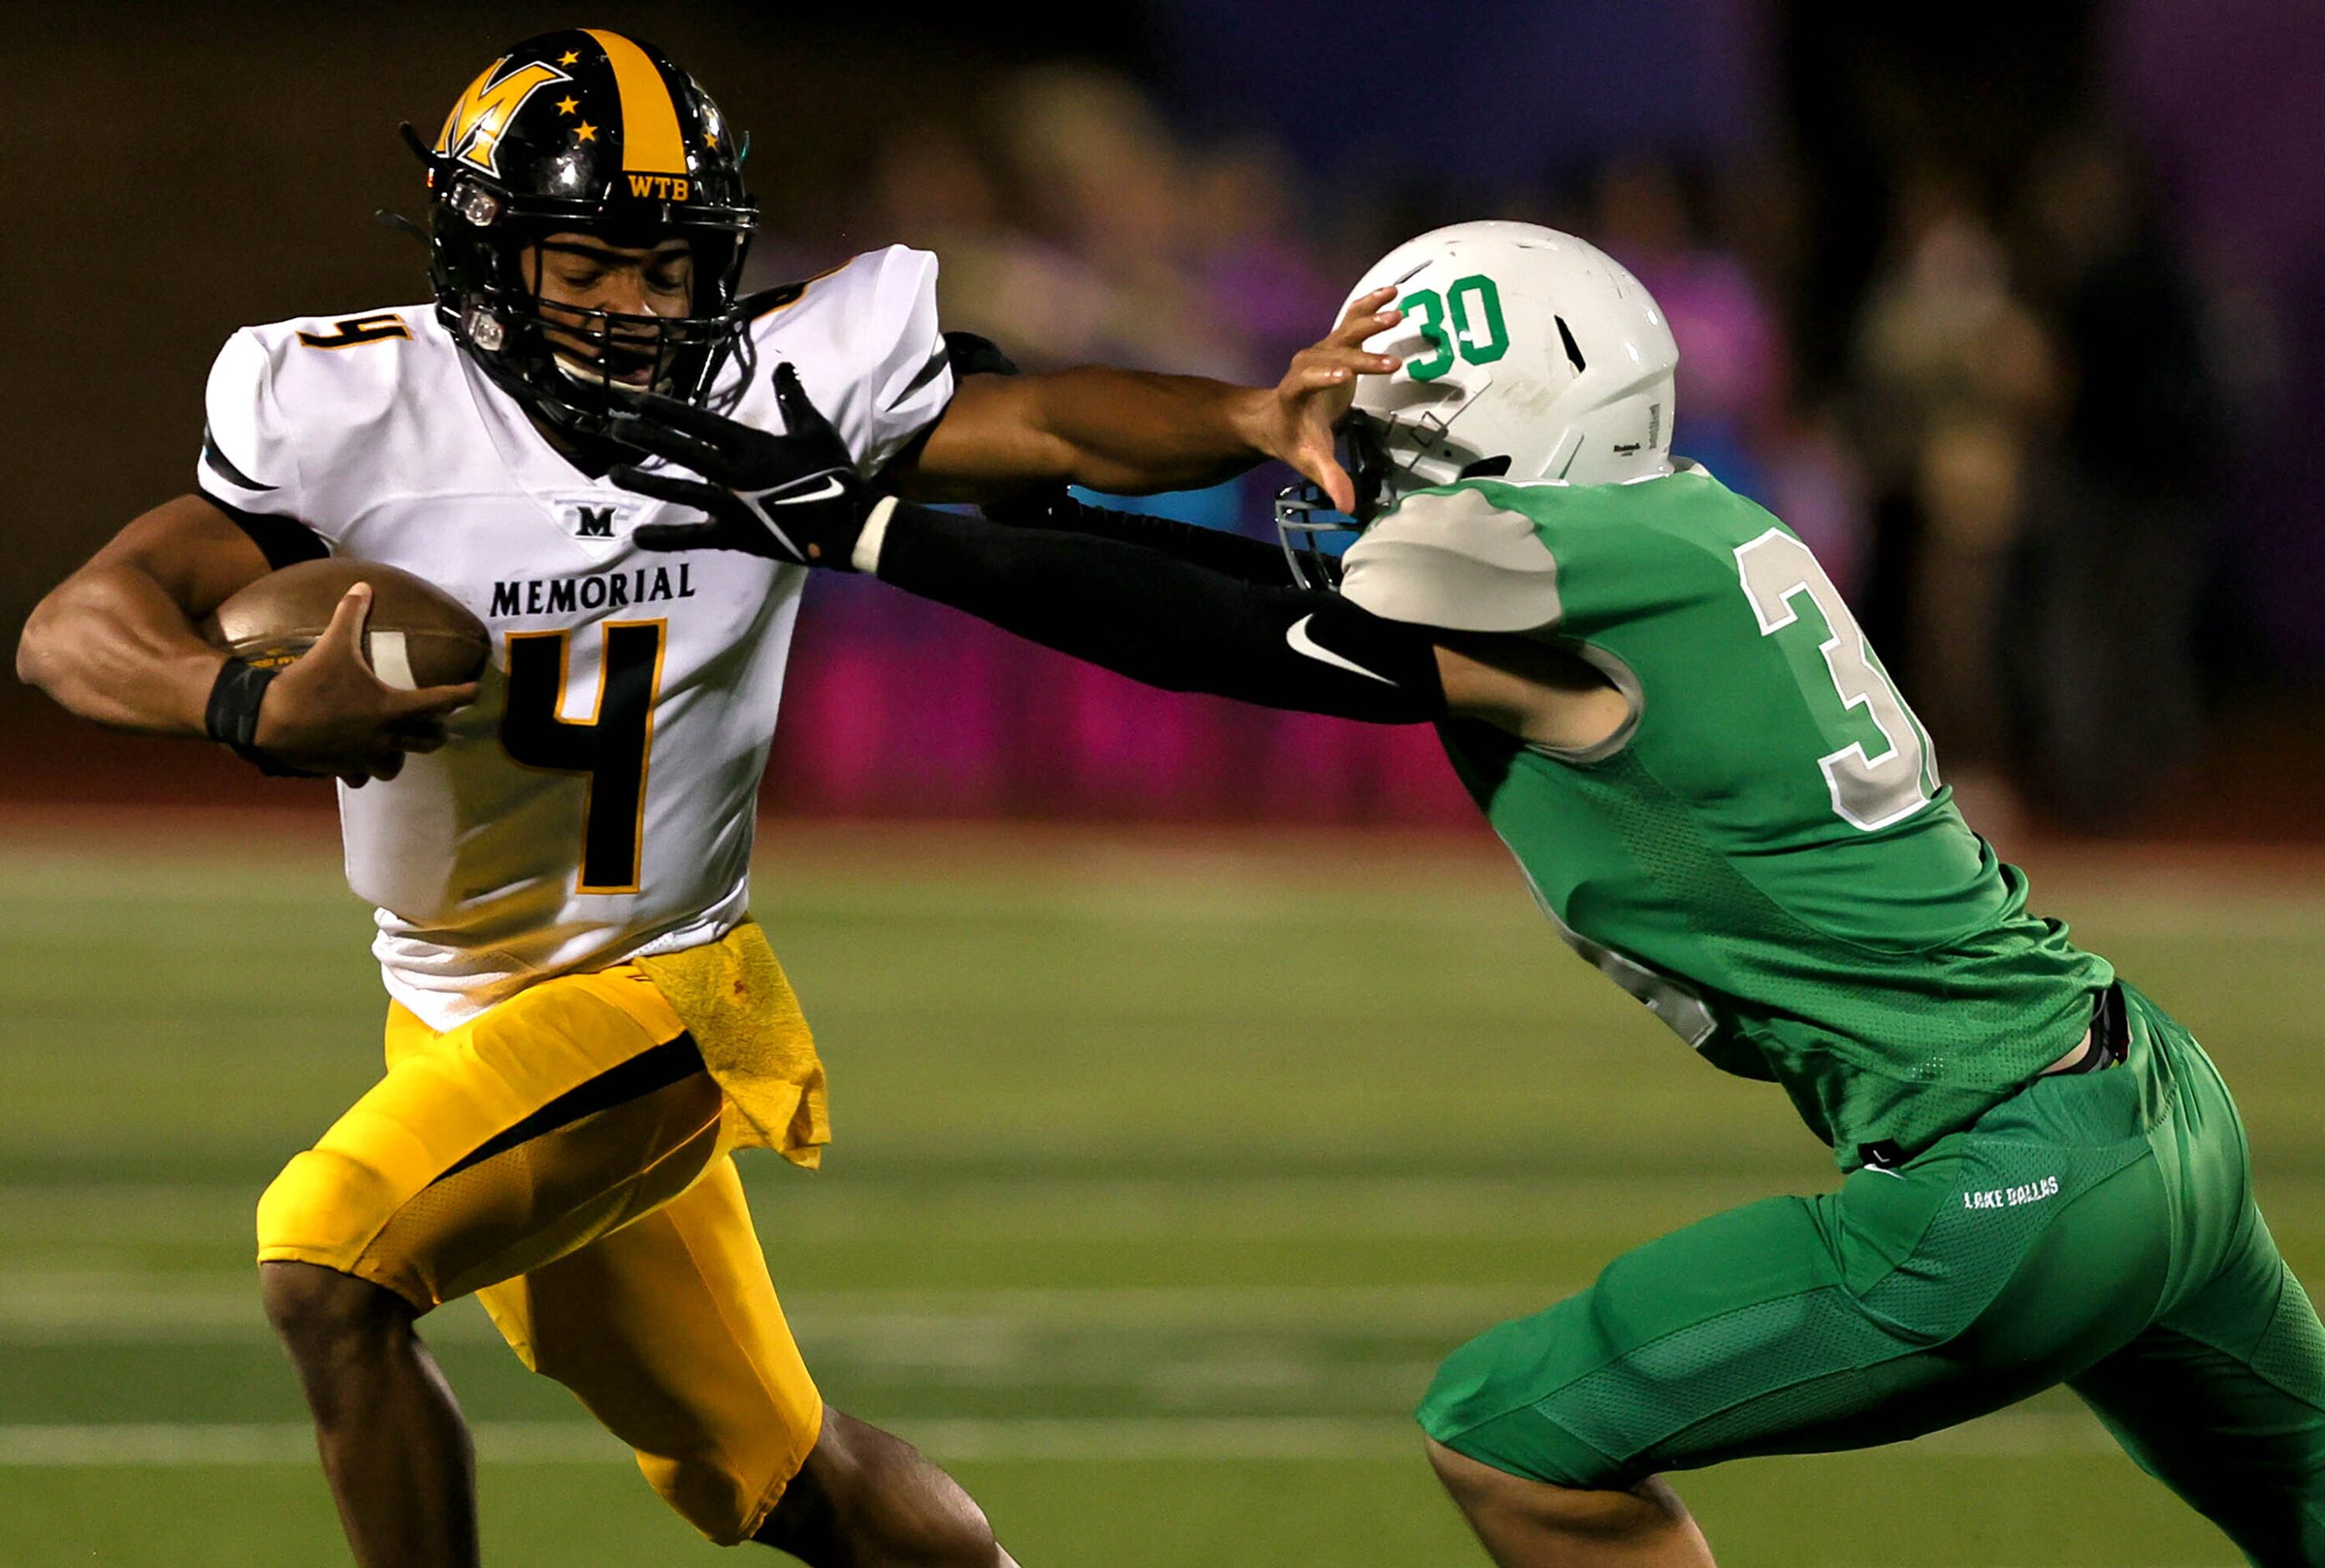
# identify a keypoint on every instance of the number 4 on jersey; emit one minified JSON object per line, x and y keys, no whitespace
{"x":611,"y":745}
{"x":1868,"y":793}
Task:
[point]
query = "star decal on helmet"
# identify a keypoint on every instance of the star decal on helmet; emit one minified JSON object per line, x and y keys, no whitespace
{"x":472,"y":131}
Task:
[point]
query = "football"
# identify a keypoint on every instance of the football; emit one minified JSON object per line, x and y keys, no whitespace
{"x":417,"y":634}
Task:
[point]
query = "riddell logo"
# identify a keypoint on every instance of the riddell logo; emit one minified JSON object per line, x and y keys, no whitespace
{"x":664,"y":187}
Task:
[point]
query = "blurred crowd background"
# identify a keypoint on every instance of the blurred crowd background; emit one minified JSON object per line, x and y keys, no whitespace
{"x":2014,"y":314}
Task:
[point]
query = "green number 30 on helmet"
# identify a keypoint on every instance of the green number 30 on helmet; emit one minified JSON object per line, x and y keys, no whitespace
{"x":1527,"y":354}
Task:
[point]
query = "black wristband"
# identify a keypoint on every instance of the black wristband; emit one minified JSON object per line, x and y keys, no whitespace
{"x":231,"y":716}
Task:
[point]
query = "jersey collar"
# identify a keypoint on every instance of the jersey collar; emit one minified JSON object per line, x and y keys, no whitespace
{"x":535,"y":464}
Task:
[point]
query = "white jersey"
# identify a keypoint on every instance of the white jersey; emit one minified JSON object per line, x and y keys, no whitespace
{"x":596,"y":802}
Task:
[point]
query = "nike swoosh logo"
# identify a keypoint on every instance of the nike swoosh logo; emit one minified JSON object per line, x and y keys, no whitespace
{"x":831,"y":487}
{"x":1297,"y":635}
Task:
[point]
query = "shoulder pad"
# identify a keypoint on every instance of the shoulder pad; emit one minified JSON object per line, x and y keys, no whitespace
{"x":327,"y":370}
{"x":865,"y":341}
{"x":1452,"y":557}
{"x":285,"y":399}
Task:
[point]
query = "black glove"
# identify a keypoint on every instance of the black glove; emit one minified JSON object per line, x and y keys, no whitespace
{"x":795,"y":497}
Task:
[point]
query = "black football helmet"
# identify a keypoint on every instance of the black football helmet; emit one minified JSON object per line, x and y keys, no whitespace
{"x":589,"y":131}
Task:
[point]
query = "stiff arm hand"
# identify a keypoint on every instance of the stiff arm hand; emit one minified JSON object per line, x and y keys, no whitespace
{"x":1317,"y":389}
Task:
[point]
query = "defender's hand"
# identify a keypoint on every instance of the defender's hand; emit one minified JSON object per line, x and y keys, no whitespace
{"x":327,"y":713}
{"x":1298,"y":420}
{"x":795,"y":497}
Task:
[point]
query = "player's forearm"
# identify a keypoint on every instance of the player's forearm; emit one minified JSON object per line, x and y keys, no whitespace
{"x":1234,"y":554}
{"x":111,"y":645}
{"x":1159,"y":618}
{"x":1136,"y":432}
{"x":1131,"y":432}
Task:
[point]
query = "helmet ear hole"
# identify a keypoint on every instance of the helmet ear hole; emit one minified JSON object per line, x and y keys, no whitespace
{"x":1566,"y":340}
{"x":1485,"y":468}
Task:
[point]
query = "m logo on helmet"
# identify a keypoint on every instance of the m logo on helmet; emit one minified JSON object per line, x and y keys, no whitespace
{"x":473,"y":130}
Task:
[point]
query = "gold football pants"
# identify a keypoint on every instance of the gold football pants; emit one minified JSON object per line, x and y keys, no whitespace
{"x":565,"y":1155}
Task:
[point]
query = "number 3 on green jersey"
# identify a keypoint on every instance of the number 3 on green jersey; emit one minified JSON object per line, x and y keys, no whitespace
{"x":1868,"y":791}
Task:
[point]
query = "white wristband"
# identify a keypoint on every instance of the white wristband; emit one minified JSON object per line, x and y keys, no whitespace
{"x":866,"y":558}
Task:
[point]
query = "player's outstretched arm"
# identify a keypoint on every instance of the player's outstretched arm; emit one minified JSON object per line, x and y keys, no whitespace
{"x":1236,"y":555}
{"x":115,"y":642}
{"x":1159,"y":617}
{"x":1134,"y":432}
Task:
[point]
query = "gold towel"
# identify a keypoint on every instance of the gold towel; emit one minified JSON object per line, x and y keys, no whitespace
{"x":733,"y":998}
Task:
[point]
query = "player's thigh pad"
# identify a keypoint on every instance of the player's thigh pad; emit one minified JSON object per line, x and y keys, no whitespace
{"x":567,"y":1111}
{"x":669,"y":1330}
{"x":2003,"y":1259}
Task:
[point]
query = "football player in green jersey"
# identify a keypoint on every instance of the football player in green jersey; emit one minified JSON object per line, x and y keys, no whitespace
{"x":1716,"y":792}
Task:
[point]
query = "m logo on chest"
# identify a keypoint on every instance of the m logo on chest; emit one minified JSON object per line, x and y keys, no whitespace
{"x":595,"y":519}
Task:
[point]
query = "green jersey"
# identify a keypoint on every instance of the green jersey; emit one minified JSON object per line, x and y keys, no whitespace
{"x":1764,"y":854}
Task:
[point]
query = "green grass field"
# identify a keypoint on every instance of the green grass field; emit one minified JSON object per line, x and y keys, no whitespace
{"x":1164,"y":1172}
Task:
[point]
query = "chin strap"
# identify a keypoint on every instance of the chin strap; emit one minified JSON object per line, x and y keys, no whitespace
{"x":401,"y":224}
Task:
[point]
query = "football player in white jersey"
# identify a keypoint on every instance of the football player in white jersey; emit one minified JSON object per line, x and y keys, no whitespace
{"x":584,"y":1021}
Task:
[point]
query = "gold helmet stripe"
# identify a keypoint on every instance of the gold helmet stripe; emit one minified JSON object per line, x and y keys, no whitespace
{"x":650,"y":138}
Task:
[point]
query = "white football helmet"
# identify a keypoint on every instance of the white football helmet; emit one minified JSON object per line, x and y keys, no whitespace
{"x":1528,"y":354}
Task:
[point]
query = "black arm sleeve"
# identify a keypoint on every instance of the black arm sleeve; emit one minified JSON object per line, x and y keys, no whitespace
{"x":1238,"y":556}
{"x":970,"y":355}
{"x":1168,"y":622}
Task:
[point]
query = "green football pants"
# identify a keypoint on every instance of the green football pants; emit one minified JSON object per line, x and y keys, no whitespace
{"x":2095,"y":1229}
